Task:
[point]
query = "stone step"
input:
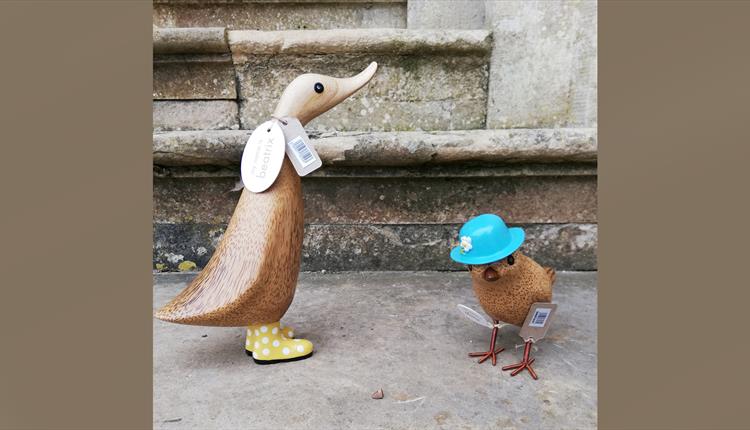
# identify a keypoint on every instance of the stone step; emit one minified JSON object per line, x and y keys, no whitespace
{"x":194,"y":82}
{"x":196,"y":114}
{"x":427,"y":79}
{"x":398,"y":197}
{"x":280,"y":15}
{"x":394,"y":199}
{"x":409,"y":148}
{"x":205,"y":40}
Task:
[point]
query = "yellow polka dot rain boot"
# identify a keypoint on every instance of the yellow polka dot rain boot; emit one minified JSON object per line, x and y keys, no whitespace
{"x":253,"y":332}
{"x":271,"y":345}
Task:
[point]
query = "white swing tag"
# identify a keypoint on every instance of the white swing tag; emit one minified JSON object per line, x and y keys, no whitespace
{"x":298,"y":147}
{"x":262,"y":157}
{"x":537,"y":321}
{"x":475,"y":316}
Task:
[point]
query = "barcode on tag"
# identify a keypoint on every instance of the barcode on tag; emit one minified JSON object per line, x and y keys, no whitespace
{"x":537,"y":321}
{"x":540,"y":317}
{"x":301,"y":151}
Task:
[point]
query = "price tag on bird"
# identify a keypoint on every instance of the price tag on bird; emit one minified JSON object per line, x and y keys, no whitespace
{"x":298,"y":147}
{"x":537,"y":321}
{"x":262,"y":157}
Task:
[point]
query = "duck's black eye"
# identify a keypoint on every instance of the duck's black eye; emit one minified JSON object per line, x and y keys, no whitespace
{"x":511,"y":260}
{"x":318,"y":87}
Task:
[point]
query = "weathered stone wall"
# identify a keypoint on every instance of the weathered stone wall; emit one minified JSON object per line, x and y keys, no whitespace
{"x":477,"y":106}
{"x":424,"y":92}
{"x":427,"y":80}
{"x":424,"y":14}
{"x":543,"y":70}
{"x":391,"y":218}
{"x":543,"y":67}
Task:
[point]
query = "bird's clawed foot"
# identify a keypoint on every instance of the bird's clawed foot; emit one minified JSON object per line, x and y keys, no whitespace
{"x":524,"y":364}
{"x":486,"y":355}
{"x":492,"y":352}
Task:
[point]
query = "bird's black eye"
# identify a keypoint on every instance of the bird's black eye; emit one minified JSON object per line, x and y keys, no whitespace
{"x":511,"y":260}
{"x":318,"y":87}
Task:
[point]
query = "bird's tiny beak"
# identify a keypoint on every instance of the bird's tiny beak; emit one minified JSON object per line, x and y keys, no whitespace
{"x":490,"y":275}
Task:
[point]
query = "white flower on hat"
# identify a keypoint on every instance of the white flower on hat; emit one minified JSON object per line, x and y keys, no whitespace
{"x":465,"y":244}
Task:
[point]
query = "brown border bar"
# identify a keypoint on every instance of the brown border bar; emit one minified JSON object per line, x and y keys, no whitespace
{"x":75,"y":89}
{"x":673,"y":214}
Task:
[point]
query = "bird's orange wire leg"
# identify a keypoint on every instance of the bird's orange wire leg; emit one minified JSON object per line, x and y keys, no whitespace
{"x":525,"y":363}
{"x":491,"y":353}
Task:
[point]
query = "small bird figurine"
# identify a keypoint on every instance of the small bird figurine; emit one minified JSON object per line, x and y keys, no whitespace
{"x":506,"y":282}
{"x":252,"y":276}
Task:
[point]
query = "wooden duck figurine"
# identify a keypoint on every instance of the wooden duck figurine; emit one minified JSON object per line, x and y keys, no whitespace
{"x":506,"y":282}
{"x":252,"y":276}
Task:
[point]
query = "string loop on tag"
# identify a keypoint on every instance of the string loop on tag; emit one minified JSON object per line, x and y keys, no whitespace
{"x":283,"y":121}
{"x":529,"y":340}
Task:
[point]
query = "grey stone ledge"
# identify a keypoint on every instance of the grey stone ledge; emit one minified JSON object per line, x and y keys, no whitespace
{"x":210,"y":40}
{"x":281,"y":15}
{"x":272,"y":1}
{"x":193,"y":58}
{"x":407,"y":148}
{"x":177,"y":115}
{"x":246,"y":43}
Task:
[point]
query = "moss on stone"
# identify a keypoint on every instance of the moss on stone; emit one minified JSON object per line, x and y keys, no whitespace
{"x":186,"y":266}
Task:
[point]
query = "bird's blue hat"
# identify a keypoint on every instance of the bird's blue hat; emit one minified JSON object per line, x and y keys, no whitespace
{"x":485,"y":239}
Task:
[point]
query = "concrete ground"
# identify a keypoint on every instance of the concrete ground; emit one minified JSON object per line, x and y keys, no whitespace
{"x":399,"y":331}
